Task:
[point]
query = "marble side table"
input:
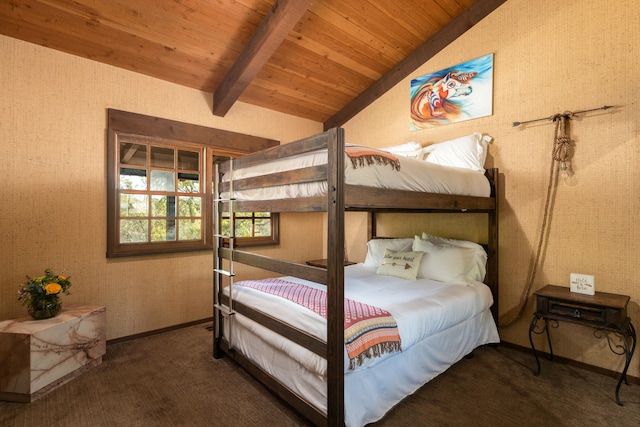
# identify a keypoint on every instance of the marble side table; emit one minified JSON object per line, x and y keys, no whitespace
{"x":37,"y":356}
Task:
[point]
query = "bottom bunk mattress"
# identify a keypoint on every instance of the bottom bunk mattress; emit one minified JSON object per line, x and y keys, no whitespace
{"x":437,"y":323}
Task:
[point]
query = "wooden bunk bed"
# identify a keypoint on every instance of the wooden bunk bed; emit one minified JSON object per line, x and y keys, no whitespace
{"x":339,"y":198}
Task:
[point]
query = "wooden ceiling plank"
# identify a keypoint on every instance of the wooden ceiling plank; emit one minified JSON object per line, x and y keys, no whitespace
{"x":392,"y":36}
{"x":324,"y":51}
{"x":269,"y":35}
{"x":336,"y":39}
{"x":178,"y":26}
{"x":458,"y":26}
{"x":453,"y":7}
{"x":319,"y":70}
{"x":276,"y":94}
{"x":340,"y":19}
{"x":133,"y":54}
{"x":276,"y":101}
{"x":293,"y":83}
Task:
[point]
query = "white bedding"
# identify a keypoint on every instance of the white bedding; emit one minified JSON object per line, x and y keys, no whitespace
{"x":414,"y":175}
{"x":439,"y":323}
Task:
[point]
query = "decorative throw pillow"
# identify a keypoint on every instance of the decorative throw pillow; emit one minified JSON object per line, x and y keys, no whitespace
{"x":469,"y":152}
{"x":376,"y":248}
{"x":400,"y":264}
{"x":448,"y":263}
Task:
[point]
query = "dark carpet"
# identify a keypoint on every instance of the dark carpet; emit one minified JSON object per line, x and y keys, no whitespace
{"x":170,"y":379}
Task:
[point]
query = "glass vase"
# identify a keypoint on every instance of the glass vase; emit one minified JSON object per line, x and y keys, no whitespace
{"x":44,"y":308}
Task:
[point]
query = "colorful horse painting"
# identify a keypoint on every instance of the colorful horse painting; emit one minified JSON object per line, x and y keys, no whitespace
{"x":443,"y":97}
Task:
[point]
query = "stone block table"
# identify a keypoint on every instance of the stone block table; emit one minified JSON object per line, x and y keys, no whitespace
{"x":37,"y":356}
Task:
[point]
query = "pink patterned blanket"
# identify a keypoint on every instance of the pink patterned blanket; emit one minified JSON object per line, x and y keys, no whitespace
{"x":368,"y":331}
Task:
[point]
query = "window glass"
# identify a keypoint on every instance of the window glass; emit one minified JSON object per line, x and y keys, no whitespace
{"x":188,"y":160}
{"x":188,"y":182}
{"x":133,"y":205}
{"x":190,"y":206}
{"x":162,"y":181}
{"x":190,"y":229}
{"x":163,"y":230}
{"x":133,"y":179}
{"x":163,"y":206}
{"x":162,"y":157}
{"x":133,"y":154}
{"x":133,"y":231}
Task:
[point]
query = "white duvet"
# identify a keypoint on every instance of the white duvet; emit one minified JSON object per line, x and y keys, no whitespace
{"x":439,"y":323}
{"x":414,"y":175}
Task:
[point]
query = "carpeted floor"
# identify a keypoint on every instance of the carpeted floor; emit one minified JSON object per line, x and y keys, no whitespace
{"x":170,"y":379}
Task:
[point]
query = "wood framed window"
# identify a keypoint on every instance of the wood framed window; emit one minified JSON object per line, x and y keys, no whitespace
{"x":160,"y":186}
{"x":251,"y":228}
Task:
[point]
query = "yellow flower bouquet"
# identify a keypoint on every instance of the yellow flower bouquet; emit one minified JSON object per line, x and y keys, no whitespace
{"x":41,"y":294}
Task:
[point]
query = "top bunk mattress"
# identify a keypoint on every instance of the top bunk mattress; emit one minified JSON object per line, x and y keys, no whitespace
{"x":412,"y":175}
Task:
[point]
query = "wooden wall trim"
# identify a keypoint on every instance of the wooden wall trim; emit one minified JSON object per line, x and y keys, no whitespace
{"x":125,"y":121}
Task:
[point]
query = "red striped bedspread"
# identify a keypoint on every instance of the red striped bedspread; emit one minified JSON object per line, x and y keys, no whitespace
{"x":368,"y":331}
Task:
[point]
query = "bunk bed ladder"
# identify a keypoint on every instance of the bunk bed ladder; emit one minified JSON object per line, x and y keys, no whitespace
{"x":222,"y":311}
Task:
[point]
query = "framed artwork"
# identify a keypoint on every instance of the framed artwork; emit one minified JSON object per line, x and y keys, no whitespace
{"x":455,"y":94}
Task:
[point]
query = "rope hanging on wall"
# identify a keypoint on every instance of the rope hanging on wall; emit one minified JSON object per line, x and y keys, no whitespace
{"x":560,"y":156}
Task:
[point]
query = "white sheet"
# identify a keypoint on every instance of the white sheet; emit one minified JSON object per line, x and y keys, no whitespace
{"x":457,"y":321}
{"x":414,"y":175}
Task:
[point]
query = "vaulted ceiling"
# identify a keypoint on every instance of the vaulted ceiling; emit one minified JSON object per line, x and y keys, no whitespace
{"x":324,"y":60}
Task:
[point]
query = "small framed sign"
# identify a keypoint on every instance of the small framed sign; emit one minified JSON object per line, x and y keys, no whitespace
{"x":583,"y":284}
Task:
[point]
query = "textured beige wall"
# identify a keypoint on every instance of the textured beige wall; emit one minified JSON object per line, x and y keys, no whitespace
{"x":53,"y":212}
{"x":549,"y":57}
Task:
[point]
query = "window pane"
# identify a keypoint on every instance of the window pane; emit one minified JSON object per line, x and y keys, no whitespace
{"x":188,"y":160}
{"x":134,"y":230}
{"x":225,"y":227}
{"x":133,"y":179}
{"x":162,"y":181}
{"x":244,"y":228}
{"x":189,"y":229}
{"x":133,"y":154}
{"x":262,"y":214}
{"x":188,"y":182}
{"x":162,"y":157}
{"x":189,"y":206}
{"x":262,"y":228}
{"x":133,"y":205}
{"x":163,"y":206}
{"x":163,"y":230}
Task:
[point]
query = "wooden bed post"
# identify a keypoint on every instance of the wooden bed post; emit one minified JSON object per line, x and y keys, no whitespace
{"x":335,"y":279}
{"x":492,"y":267}
{"x":371,"y":225}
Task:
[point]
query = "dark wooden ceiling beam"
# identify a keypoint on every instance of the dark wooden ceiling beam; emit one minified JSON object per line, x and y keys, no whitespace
{"x":458,"y":26}
{"x":273,"y":29}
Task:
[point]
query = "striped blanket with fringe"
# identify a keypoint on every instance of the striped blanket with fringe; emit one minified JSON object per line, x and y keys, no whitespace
{"x":366,"y":156}
{"x":368,"y":331}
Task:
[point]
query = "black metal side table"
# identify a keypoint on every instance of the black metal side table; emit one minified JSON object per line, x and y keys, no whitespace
{"x":605,"y":312}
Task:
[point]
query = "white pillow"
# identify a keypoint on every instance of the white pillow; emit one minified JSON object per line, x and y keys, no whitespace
{"x":376,"y":248}
{"x":469,"y":152}
{"x":446,"y":263}
{"x":479,"y":270}
{"x":442,"y":241}
{"x":400,"y":264}
{"x":410,"y":149}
